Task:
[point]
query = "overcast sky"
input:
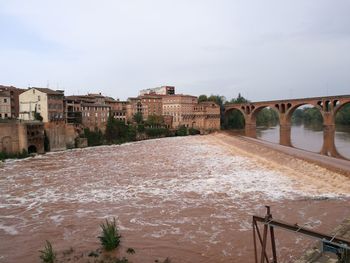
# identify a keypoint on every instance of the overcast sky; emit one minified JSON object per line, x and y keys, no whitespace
{"x":265,"y":50}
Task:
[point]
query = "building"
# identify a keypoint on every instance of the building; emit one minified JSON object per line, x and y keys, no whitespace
{"x":91,"y":111}
{"x":152,"y":104}
{"x":95,"y":115}
{"x":5,"y":105}
{"x":46,"y":102}
{"x":177,"y":106}
{"x":205,"y":117}
{"x":134,"y":106}
{"x":118,"y":109}
{"x":16,"y":136}
{"x":163,"y":90}
{"x":14,"y":99}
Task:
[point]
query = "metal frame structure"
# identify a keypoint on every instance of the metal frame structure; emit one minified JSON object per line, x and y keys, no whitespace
{"x":332,"y":244}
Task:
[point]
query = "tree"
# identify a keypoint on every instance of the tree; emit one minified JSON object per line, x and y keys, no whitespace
{"x":116,"y":130}
{"x":138,"y":118}
{"x":155,"y":121}
{"x":202,"y":98}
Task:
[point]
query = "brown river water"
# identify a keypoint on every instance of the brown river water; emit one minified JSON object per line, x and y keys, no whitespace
{"x":187,"y":198}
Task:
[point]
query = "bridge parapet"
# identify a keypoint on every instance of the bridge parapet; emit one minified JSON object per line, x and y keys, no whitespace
{"x":328,"y":107}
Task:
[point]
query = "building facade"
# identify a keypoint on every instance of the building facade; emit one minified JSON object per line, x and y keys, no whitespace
{"x":16,"y":136}
{"x":14,"y":99}
{"x":177,"y":106}
{"x":5,"y":105}
{"x":205,"y":117}
{"x":153,"y":105}
{"x":163,"y":90}
{"x":46,"y":102}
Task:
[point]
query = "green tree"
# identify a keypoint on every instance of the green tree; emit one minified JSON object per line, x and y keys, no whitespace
{"x":202,"y":98}
{"x":138,"y":118}
{"x":155,"y":121}
{"x":116,"y":131}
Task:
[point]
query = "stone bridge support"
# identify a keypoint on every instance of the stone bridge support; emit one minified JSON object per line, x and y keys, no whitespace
{"x":285,"y":130}
{"x":328,"y":147}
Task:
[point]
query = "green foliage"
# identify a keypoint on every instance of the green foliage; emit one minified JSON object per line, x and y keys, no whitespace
{"x":37,"y":116}
{"x":202,"y":98}
{"x":116,"y":131}
{"x":181,"y":131}
{"x":47,"y":255}
{"x":140,"y":128}
{"x":343,"y":115}
{"x":155,"y":121}
{"x":156,"y":132}
{"x":234,"y":120}
{"x":94,"y":138}
{"x":21,"y":155}
{"x":138,"y":118}
{"x":239,"y":99}
{"x":307,"y":116}
{"x":110,"y":238}
{"x":193,"y":131}
{"x":267,"y":117}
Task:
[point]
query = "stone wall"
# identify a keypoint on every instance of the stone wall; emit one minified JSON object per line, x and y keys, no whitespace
{"x":61,"y":135}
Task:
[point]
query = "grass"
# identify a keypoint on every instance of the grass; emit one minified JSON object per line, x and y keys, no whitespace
{"x":110,"y":238}
{"x":47,"y":255}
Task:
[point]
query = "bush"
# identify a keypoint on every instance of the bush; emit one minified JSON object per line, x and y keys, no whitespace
{"x":181,"y":131}
{"x":110,"y":238}
{"x":23,"y":154}
{"x":156,"y":132}
{"x":47,"y":255}
{"x":193,"y":131}
{"x":94,"y":138}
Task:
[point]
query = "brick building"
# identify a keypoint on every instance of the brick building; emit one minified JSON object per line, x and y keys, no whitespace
{"x":14,"y":99}
{"x":177,"y":106}
{"x":48,"y":103}
{"x":205,"y":117}
{"x":5,"y":105}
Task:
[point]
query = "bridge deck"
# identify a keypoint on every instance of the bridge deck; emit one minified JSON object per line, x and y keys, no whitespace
{"x":292,"y":100}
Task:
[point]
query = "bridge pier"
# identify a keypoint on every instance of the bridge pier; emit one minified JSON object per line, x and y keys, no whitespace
{"x":328,"y":147}
{"x":285,"y":134}
{"x":250,"y":129}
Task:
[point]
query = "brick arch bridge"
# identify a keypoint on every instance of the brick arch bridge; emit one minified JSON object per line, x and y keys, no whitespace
{"x":328,"y":107}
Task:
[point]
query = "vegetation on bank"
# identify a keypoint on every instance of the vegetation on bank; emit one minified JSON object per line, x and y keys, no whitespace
{"x":110,"y":242}
{"x":118,"y":132}
{"x":4,"y":155}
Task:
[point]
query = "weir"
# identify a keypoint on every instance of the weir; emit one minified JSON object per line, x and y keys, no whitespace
{"x":328,"y":107}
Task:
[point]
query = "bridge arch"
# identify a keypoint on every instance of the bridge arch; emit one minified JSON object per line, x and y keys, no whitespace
{"x":234,"y":118}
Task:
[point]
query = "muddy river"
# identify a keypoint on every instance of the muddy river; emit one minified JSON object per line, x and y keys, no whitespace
{"x":187,"y":198}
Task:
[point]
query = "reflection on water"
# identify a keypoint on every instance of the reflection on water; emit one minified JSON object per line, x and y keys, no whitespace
{"x":309,"y":137}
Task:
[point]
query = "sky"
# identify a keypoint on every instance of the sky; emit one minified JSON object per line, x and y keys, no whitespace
{"x":264,"y":50}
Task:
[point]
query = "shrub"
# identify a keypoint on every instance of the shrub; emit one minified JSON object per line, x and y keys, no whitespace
{"x":110,"y":238}
{"x":181,"y":131}
{"x":47,"y":255}
{"x":193,"y":131}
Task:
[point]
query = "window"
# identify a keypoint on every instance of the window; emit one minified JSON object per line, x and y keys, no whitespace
{"x":39,"y":98}
{"x":5,"y":100}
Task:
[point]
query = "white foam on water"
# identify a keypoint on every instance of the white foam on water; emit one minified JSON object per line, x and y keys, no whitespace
{"x":11,"y":230}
